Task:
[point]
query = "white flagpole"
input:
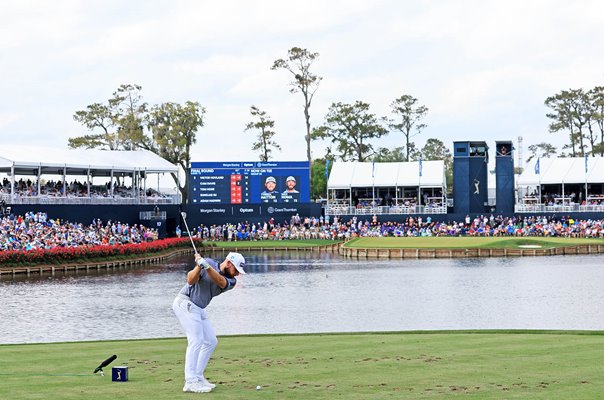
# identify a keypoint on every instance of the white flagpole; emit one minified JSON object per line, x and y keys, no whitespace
{"x":419,"y":186}
{"x":373,"y":184}
{"x":539,"y":173}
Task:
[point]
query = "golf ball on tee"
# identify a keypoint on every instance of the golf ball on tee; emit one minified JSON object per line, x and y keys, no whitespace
{"x":258,"y":387}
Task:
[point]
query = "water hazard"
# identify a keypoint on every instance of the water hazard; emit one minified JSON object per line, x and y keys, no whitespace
{"x":310,"y":292}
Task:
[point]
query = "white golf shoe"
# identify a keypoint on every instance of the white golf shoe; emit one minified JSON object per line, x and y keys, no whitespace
{"x":196,"y":387}
{"x":207,"y":383}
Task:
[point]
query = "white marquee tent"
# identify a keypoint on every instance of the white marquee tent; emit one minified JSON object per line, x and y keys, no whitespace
{"x":28,"y":160}
{"x":346,"y":177}
{"x":39,"y":162}
{"x":563,"y":170}
{"x":562,"y":181}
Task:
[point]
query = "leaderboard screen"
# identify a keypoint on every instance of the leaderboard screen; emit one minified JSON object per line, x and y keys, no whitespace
{"x":251,"y":182}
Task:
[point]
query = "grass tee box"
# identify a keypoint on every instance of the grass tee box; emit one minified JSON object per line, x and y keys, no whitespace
{"x":411,"y":365}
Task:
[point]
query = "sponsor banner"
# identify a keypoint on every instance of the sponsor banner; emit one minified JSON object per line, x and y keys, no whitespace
{"x":215,"y":210}
{"x":228,"y":210}
{"x":245,"y":210}
{"x":220,"y":214}
{"x":281,"y":210}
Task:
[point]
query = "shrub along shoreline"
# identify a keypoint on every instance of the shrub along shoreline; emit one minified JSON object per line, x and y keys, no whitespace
{"x":85,"y":254}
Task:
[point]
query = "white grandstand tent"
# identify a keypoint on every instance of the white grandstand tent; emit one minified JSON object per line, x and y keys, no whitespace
{"x":24,"y":159}
{"x":563,"y":170}
{"x":385,"y":183}
{"x":340,"y":175}
{"x":89,"y":163}
{"x":358,"y":174}
{"x":568,"y":181}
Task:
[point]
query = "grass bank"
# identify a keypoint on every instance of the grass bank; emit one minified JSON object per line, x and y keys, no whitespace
{"x":411,"y":365}
{"x":467,"y":242}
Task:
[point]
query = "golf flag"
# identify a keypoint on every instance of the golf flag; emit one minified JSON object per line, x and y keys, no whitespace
{"x":326,"y":168}
{"x":372,"y":169}
{"x":537,"y":168}
{"x":420,"y":167}
{"x":586,"y":163}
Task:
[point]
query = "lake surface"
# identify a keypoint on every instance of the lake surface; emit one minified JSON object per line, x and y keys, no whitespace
{"x":309,"y":293}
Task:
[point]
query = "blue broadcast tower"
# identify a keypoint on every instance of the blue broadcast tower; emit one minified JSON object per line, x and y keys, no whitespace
{"x":504,"y":177}
{"x":470,"y":177}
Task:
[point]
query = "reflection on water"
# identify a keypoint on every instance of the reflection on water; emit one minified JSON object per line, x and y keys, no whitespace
{"x":312,"y":292}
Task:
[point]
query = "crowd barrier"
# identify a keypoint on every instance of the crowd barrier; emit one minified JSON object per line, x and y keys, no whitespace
{"x":561,"y":208}
{"x":343,"y":210}
{"x":118,"y":200}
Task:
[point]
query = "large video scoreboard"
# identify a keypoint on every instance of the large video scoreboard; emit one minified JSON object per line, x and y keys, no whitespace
{"x":254,"y":182}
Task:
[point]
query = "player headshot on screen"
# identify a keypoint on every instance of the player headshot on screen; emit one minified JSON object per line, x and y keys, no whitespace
{"x":270,"y":194}
{"x":291,"y":194}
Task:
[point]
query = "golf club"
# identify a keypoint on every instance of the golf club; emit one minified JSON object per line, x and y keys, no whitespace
{"x":184,"y":218}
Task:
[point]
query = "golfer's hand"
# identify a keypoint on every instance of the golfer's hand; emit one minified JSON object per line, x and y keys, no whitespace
{"x":201,"y":261}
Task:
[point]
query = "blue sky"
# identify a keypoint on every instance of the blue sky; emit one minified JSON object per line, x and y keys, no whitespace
{"x":483,"y":68}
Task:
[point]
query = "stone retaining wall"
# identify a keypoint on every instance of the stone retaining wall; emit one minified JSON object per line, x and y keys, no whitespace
{"x":466,"y":253}
{"x":338,"y":247}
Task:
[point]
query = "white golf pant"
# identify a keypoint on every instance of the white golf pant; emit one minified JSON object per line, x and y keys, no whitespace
{"x":201,"y":338}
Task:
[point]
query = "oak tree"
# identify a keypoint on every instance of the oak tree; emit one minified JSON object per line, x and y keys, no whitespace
{"x":350,"y":128}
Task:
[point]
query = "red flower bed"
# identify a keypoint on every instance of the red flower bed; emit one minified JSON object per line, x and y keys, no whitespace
{"x":60,"y":255}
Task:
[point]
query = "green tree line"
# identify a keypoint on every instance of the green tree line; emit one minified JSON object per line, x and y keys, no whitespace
{"x":350,"y":130}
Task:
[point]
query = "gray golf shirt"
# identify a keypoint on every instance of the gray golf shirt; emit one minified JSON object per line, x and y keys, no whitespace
{"x":202,"y":292}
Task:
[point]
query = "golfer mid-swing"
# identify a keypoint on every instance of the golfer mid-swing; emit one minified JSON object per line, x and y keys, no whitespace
{"x":206,"y":280}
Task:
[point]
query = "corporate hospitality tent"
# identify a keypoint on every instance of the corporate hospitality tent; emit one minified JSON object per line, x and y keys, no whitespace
{"x":28,"y":160}
{"x":38,"y":162}
{"x":570,"y":179}
{"x":350,"y":182}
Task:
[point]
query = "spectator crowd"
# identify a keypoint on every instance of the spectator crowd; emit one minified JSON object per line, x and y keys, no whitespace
{"x":323,"y":228}
{"x":29,"y":188}
{"x":37,"y":231}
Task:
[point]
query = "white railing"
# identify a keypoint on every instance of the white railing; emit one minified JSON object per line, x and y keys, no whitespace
{"x":94,"y":200}
{"x":343,"y":210}
{"x":556,"y":208}
{"x":592,"y":208}
{"x":528,"y":208}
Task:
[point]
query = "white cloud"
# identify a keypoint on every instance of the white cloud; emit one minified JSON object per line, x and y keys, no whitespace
{"x":483,"y":68}
{"x":7,"y":119}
